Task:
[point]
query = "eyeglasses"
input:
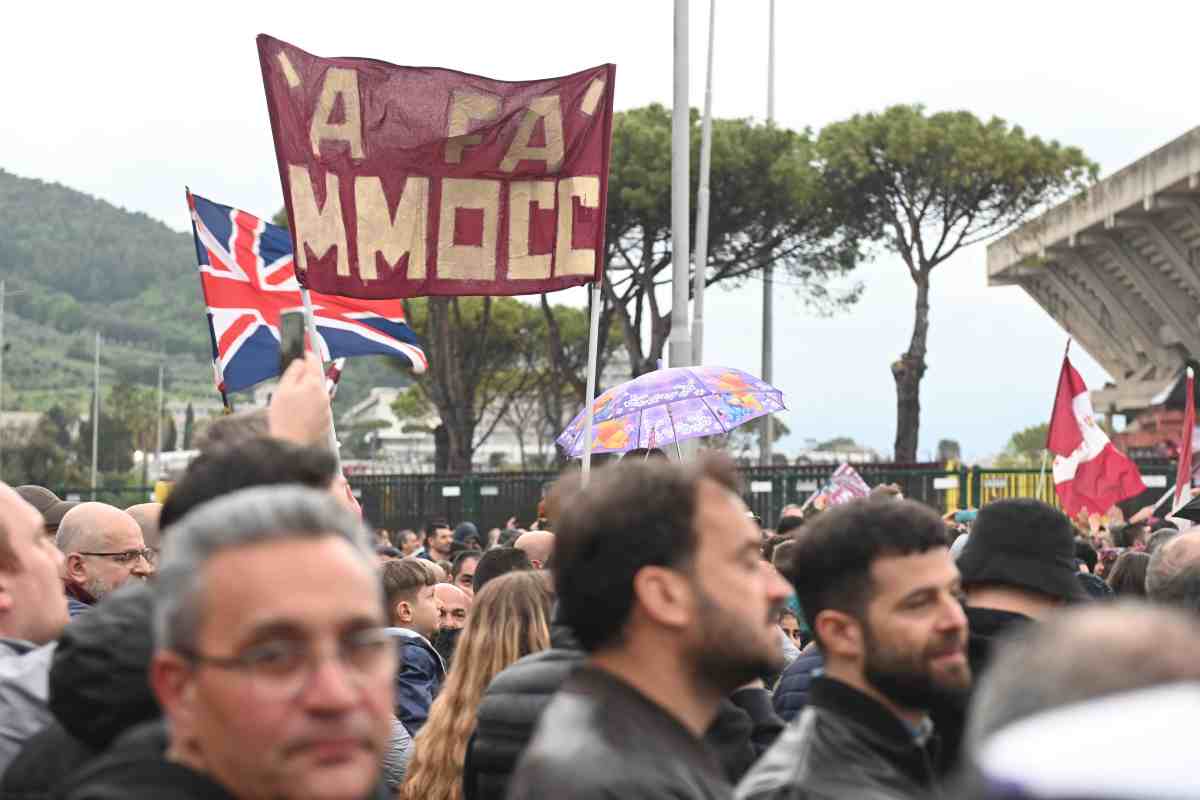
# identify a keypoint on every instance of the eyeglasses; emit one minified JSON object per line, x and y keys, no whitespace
{"x":280,"y":669}
{"x":128,"y":556}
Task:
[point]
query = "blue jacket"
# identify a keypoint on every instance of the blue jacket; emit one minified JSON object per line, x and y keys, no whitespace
{"x":791,"y":694}
{"x":418,"y":680}
{"x":75,"y":607}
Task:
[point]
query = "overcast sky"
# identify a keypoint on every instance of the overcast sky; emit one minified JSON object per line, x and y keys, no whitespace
{"x":130,"y":103}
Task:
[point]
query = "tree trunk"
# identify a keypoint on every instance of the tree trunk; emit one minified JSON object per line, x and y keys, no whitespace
{"x":441,"y":450}
{"x":907,"y":371}
{"x":449,"y":391}
{"x":459,"y":448}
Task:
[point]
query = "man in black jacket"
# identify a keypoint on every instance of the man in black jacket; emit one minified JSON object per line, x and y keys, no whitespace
{"x":884,"y":601}
{"x":744,"y":728}
{"x":272,"y":663}
{"x":659,"y":575}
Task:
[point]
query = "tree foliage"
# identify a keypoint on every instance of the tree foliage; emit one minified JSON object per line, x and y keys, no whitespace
{"x":1025,"y":447}
{"x":836,"y":444}
{"x":492,"y":363}
{"x":475,"y":347}
{"x":769,"y":205}
{"x":926,"y":185}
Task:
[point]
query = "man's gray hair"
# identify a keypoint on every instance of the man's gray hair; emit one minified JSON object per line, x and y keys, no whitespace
{"x":1081,"y":654}
{"x":242,"y":519}
{"x":1159,"y":538}
{"x":1173,"y":574}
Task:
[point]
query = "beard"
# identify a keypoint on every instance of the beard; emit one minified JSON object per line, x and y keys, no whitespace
{"x":907,"y":678}
{"x":445,"y":641}
{"x":98,"y":588}
{"x":729,"y":655}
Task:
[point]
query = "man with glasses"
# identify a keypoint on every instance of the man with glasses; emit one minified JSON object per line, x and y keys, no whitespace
{"x":104,"y":549}
{"x":272,"y":664}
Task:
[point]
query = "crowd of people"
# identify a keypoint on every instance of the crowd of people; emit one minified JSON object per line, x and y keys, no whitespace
{"x":252,"y":637}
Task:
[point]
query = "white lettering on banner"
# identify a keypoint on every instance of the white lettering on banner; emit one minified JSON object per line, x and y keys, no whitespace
{"x":322,"y":227}
{"x":318,"y":228}
{"x":523,"y":265}
{"x":394,"y":237}
{"x":465,"y":108}
{"x":567,"y":259}
{"x":549,"y":111}
{"x":337,"y":118}
{"x":468,"y":261}
{"x":339,"y":83}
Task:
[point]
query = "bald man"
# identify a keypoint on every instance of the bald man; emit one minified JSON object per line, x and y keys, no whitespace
{"x":453,"y":604}
{"x":538,"y":545}
{"x":146,"y":516}
{"x":104,"y":549}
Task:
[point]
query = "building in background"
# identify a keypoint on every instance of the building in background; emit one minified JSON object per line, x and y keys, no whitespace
{"x":1118,"y":267}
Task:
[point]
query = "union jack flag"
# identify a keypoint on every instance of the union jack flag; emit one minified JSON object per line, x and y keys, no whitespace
{"x":248,"y":278}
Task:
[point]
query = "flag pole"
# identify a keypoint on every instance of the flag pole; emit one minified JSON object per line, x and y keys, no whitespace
{"x":700,"y":259}
{"x":1183,"y":475}
{"x":768,"y":315}
{"x":593,"y":357}
{"x":96,"y":418}
{"x":310,"y":323}
{"x":681,"y":335}
{"x":1046,"y":451}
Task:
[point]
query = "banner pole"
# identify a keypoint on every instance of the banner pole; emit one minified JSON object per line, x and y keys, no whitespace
{"x":1042,"y":477}
{"x":700,"y":258}
{"x":310,"y":324}
{"x":593,"y":357}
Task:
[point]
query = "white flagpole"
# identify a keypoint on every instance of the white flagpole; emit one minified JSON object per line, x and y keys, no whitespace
{"x":96,"y":418}
{"x":1042,"y":476}
{"x":158,"y":436}
{"x":593,"y":357}
{"x":681,"y":335}
{"x":768,"y":317}
{"x":310,"y":323}
{"x":700,"y":259}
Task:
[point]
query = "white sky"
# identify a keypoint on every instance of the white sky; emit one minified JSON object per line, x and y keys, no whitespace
{"x":130,"y":102}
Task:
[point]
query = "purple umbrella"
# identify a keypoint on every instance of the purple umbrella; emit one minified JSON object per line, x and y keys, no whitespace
{"x":669,"y":406}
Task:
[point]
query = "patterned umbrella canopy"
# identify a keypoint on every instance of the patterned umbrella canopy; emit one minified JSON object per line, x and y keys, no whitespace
{"x":671,"y":405}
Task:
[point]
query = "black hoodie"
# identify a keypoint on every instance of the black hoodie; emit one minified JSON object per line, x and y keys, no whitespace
{"x":98,"y":689}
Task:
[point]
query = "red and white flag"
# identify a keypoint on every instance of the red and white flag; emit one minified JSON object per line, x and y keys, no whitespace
{"x":1183,"y":476}
{"x":1088,"y":471}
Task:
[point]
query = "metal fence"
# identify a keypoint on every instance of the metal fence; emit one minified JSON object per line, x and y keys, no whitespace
{"x":489,"y":499}
{"x":119,"y":496}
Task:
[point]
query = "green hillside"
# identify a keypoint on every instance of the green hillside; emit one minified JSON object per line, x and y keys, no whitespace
{"x":73,"y":265}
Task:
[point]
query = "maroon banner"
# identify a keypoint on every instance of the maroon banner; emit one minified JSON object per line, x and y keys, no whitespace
{"x":410,"y":181}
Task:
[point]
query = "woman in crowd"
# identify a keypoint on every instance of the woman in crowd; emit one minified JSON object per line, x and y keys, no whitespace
{"x":509,"y":619}
{"x":1128,"y":576}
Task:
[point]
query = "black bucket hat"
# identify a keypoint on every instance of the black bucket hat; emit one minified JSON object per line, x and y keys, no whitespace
{"x":1025,"y":544}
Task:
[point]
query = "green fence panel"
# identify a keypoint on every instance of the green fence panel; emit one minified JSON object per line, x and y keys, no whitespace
{"x":489,"y":499}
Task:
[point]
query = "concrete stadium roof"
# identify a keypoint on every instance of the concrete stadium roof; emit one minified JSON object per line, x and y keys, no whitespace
{"x":1118,"y":267}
